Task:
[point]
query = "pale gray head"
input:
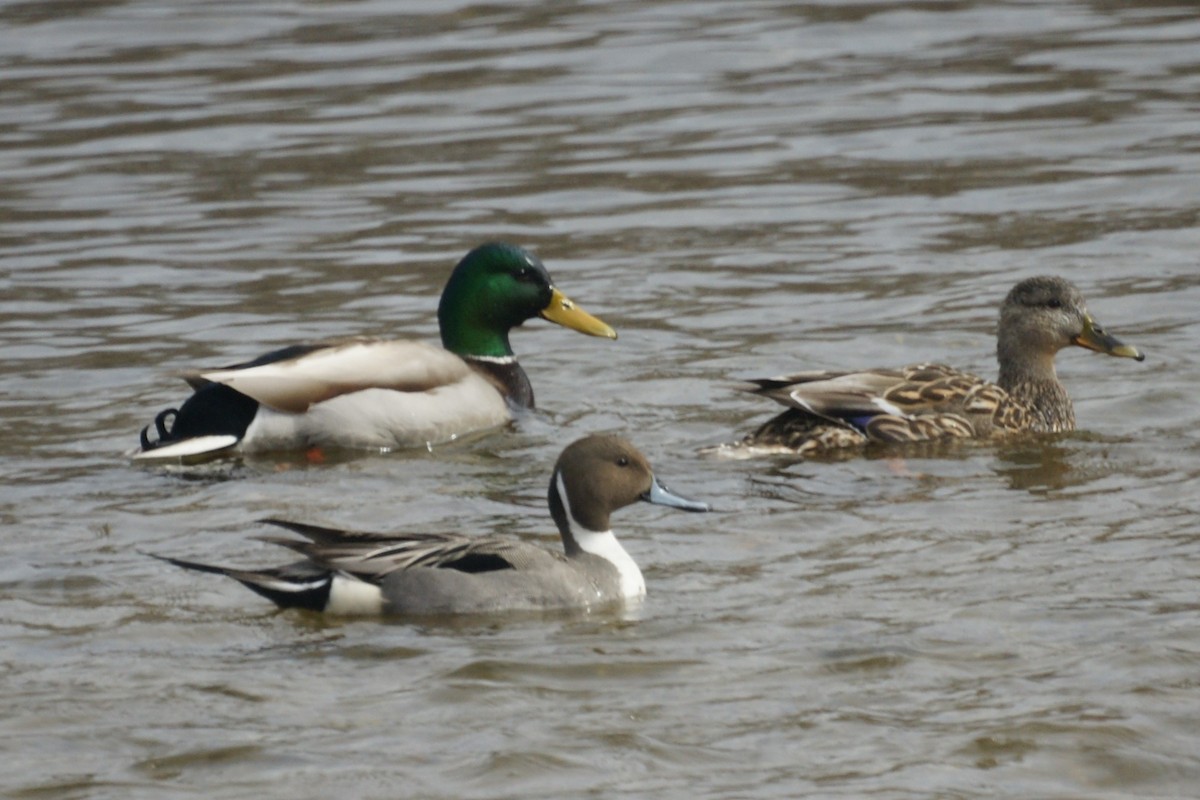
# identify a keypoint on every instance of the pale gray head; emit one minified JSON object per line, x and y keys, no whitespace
{"x":599,"y":474}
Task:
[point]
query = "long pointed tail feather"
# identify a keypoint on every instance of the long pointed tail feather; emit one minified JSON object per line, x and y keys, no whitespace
{"x":299,"y":585}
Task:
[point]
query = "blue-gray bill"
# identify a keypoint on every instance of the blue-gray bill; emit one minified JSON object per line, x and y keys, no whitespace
{"x":662,"y":496}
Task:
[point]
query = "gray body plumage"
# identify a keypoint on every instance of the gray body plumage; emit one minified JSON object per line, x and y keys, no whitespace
{"x":545,"y":581}
{"x":352,"y":572}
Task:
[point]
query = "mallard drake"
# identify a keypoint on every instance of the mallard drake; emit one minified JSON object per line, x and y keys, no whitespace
{"x":348,"y":572}
{"x":927,"y":402}
{"x":378,"y":393}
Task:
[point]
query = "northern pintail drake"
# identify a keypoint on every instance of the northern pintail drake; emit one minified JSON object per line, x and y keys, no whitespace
{"x":928,"y":402}
{"x":375,"y":393}
{"x":349,"y":572}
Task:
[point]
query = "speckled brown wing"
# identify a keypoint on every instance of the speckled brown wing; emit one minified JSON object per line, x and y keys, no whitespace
{"x":802,"y":433}
{"x":917,"y":403}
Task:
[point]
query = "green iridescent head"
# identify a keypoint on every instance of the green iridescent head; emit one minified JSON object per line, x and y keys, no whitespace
{"x":494,"y":289}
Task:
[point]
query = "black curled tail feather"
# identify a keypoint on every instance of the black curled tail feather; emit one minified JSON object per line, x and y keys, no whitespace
{"x":213,"y":410}
{"x":160,"y":427}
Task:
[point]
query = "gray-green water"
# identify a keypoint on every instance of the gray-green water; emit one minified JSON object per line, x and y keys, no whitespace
{"x":740,"y":188}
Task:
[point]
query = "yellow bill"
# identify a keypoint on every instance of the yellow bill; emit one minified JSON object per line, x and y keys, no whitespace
{"x":563,"y":311}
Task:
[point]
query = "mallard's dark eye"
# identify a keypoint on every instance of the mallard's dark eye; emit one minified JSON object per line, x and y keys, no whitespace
{"x":622,"y":461}
{"x":1054,"y":302}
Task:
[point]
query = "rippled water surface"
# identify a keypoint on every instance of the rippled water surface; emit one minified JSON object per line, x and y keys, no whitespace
{"x":741,"y":189}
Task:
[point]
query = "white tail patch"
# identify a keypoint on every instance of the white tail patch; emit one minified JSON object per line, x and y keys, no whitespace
{"x":350,"y":596}
{"x":196,"y":446}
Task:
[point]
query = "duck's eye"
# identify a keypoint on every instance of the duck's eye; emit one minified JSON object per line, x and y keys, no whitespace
{"x":622,"y":461}
{"x":1054,"y":302}
{"x":525,"y":274}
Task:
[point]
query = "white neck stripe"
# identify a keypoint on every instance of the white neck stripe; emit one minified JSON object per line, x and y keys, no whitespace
{"x":603,"y":544}
{"x":561,"y":488}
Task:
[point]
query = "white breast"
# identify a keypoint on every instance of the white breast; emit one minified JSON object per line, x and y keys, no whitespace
{"x":605,"y":545}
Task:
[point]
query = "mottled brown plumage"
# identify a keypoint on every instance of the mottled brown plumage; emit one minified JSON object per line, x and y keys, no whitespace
{"x":931,"y":402}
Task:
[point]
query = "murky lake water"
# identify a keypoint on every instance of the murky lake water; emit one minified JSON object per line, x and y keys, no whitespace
{"x":740,"y":189}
